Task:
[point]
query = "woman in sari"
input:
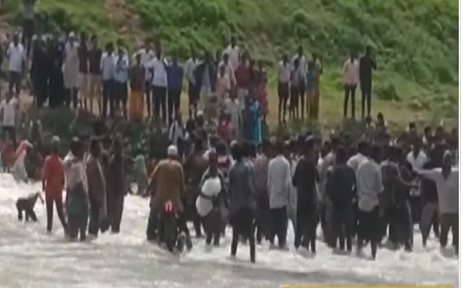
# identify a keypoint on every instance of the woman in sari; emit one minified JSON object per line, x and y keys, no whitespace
{"x":137,"y":80}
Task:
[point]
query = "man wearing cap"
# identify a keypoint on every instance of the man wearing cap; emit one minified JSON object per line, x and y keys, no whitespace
{"x":53,"y":185}
{"x":166,"y":184}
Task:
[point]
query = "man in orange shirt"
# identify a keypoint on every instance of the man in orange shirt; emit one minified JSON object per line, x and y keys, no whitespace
{"x":53,"y":185}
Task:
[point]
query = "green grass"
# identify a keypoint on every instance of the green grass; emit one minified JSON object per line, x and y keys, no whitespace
{"x":66,"y":15}
{"x":416,"y":42}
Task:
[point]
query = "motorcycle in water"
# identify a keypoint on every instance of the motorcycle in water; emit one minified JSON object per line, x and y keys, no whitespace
{"x":169,"y":232}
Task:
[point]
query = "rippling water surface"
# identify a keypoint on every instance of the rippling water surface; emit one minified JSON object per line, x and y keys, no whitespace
{"x":31,"y":258}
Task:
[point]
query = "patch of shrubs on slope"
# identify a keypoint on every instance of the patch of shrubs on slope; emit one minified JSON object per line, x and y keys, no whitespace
{"x":64,"y":16}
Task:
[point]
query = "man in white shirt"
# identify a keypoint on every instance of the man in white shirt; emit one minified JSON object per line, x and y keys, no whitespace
{"x":71,"y":70}
{"x":355,"y":161}
{"x":77,"y":200}
{"x":229,"y":70}
{"x":16,"y":62}
{"x":369,"y":186}
{"x":176,"y":130}
{"x":8,"y":109}
{"x":417,"y":158}
{"x":193,"y":96}
{"x":146,"y":56}
{"x":350,"y":79}
{"x":279,"y":187}
{"x":159,"y":85}
{"x":233,"y":52}
{"x":284,"y":75}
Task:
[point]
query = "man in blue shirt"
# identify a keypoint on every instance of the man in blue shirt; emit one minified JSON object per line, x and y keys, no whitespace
{"x":174,"y":86}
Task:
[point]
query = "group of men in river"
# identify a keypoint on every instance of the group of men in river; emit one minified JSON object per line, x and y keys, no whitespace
{"x":369,"y":190}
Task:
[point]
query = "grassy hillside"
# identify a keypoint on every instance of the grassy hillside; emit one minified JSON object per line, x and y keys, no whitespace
{"x":416,"y":42}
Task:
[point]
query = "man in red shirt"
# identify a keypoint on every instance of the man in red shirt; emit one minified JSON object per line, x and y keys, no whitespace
{"x":53,"y":185}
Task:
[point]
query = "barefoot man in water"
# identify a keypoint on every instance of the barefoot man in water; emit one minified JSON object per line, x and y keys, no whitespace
{"x":53,"y":185}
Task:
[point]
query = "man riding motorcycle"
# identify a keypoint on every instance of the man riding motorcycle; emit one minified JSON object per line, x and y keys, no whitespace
{"x":167,"y":185}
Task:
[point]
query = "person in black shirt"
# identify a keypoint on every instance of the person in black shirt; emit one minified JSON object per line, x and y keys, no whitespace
{"x":94,"y":77}
{"x":55,"y":74}
{"x":304,"y":180}
{"x":404,"y":212}
{"x":39,"y":73}
{"x":367,"y":65}
{"x":341,"y":188}
{"x":83,"y":70}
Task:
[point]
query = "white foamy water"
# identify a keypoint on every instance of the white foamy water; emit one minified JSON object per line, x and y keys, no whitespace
{"x":31,"y":258}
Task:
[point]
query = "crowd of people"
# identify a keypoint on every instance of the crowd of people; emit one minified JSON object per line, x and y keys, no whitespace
{"x":370,"y":189}
{"x":75,"y":70}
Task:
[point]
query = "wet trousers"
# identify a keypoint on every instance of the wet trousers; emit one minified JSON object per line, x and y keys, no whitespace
{"x":262,"y":218}
{"x":94,"y":219}
{"x":77,"y":226}
{"x":242,"y":223}
{"x":449,"y":221}
{"x":429,"y":217}
{"x":342,"y":226}
{"x":306,"y":225}
{"x":115,"y":204}
{"x":279,"y":225}
{"x":58,"y":202}
{"x":368,"y":229}
{"x":213,"y":226}
{"x":397,"y":224}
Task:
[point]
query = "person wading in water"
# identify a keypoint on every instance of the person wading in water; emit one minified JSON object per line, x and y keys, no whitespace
{"x":53,"y":185}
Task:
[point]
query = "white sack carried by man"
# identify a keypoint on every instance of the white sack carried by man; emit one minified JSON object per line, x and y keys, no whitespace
{"x":210,"y":189}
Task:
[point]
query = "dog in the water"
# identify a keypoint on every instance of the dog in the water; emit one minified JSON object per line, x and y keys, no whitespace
{"x":26,"y":205}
